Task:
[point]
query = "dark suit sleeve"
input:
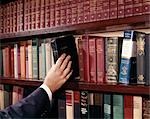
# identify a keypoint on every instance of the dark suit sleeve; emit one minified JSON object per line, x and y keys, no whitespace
{"x":30,"y":107}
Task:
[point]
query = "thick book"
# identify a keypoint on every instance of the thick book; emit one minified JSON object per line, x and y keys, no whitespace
{"x":147,"y":59}
{"x":137,"y":107}
{"x":128,"y":106}
{"x":76,"y":97}
{"x":118,"y":106}
{"x":66,"y":44}
{"x":146,"y":107}
{"x":128,"y":68}
{"x":107,"y":105}
{"x":140,"y":55}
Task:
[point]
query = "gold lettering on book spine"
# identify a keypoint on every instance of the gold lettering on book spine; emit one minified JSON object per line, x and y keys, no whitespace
{"x":140,"y":45}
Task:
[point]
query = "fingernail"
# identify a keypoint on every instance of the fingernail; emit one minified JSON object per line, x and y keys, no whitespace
{"x":64,"y":54}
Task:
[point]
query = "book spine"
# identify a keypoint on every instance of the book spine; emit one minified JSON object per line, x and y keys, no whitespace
{"x":146,"y":7}
{"x":35,"y":58}
{"x":55,"y":50}
{"x":137,"y":7}
{"x":121,"y":8}
{"x":113,"y":9}
{"x":100,"y":64}
{"x":57,"y":12}
{"x":111,"y":59}
{"x":118,"y":107}
{"x":69,"y":104}
{"x":42,"y":14}
{"x":128,"y":58}
{"x":33,"y":14}
{"x":62,"y":106}
{"x":69,"y":12}
{"x":128,"y":107}
{"x":43,"y":50}
{"x":52,"y":13}
{"x":1,"y":61}
{"x":86,"y":8}
{"x":137,"y":107}
{"x":74,"y":11}
{"x":99,"y":10}
{"x":93,"y":10}
{"x":76,"y":104}
{"x":47,"y":13}
{"x":15,"y":60}
{"x":107,"y":102}
{"x":84,"y":104}
{"x":12,"y":62}
{"x":92,"y":59}
{"x":26,"y":12}
{"x":128,"y":8}
{"x":86,"y":60}
{"x":105,"y":9}
{"x":140,"y":58}
{"x":63,"y":12}
{"x":29,"y":15}
{"x":147,"y":59}
{"x":146,"y":107}
{"x":37,"y":19}
{"x":80,"y":11}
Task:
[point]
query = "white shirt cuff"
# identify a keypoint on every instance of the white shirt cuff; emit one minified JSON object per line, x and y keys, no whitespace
{"x":48,"y":91}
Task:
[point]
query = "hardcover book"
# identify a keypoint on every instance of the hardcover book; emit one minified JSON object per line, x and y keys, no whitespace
{"x":128,"y":68}
{"x":66,"y":44}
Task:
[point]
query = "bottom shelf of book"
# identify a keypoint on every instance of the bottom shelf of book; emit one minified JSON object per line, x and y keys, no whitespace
{"x":72,"y":85}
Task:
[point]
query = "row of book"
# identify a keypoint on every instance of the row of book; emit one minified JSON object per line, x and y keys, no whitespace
{"x":86,"y":105}
{"x":24,"y":15}
{"x":12,"y":94}
{"x":95,"y":59}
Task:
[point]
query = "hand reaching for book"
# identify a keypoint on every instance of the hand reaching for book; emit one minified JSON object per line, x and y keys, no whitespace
{"x":59,"y":73}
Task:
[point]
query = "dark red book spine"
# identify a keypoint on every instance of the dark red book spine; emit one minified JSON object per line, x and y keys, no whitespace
{"x":57,"y":12}
{"x":42,"y":14}
{"x":137,"y":7}
{"x":33,"y":14}
{"x":93,"y":10}
{"x":113,"y":9}
{"x":29,"y":15}
{"x":12,"y":62}
{"x":80,"y":11}
{"x":92,"y":59}
{"x":63,"y":12}
{"x":37,"y":19}
{"x":99,"y":8}
{"x":128,"y":107}
{"x":69,"y":12}
{"x":121,"y":7}
{"x":26,"y":12}
{"x":86,"y":7}
{"x":100,"y":64}
{"x":105,"y":9}
{"x":146,"y":7}
{"x":128,"y":8}
{"x":52,"y":13}
{"x":47,"y":13}
{"x":86,"y":58}
{"x":74,"y":11}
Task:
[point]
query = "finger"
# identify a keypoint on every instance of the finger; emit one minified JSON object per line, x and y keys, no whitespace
{"x":60,"y":60}
{"x":68,"y":76}
{"x":65,"y":62}
{"x":67,"y":70}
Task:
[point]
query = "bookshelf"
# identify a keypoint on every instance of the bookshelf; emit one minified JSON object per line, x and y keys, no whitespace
{"x":133,"y":22}
{"x":107,"y":88}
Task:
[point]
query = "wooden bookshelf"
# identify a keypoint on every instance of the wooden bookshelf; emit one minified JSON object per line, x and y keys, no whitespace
{"x":107,"y":88}
{"x":133,"y":22}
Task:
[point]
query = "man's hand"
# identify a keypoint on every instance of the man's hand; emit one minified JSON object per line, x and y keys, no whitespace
{"x":59,"y":73}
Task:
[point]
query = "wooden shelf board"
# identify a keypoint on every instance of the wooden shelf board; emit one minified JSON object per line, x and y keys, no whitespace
{"x":83,"y":27}
{"x":107,"y":88}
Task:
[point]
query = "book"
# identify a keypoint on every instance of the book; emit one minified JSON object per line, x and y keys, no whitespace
{"x":107,"y":105}
{"x":118,"y":106}
{"x":76,"y":97}
{"x":66,"y":44}
{"x":128,"y":68}
{"x":140,"y":55}
{"x":146,"y":107}
{"x":137,"y":107}
{"x":147,"y":59}
{"x":128,"y":106}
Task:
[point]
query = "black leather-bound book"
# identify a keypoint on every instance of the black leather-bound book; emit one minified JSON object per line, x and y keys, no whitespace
{"x":66,"y":44}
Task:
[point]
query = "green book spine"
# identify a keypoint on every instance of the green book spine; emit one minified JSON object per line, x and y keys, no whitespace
{"x":118,"y":106}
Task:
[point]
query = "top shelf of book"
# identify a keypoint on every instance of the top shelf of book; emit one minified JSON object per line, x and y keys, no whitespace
{"x":133,"y":22}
